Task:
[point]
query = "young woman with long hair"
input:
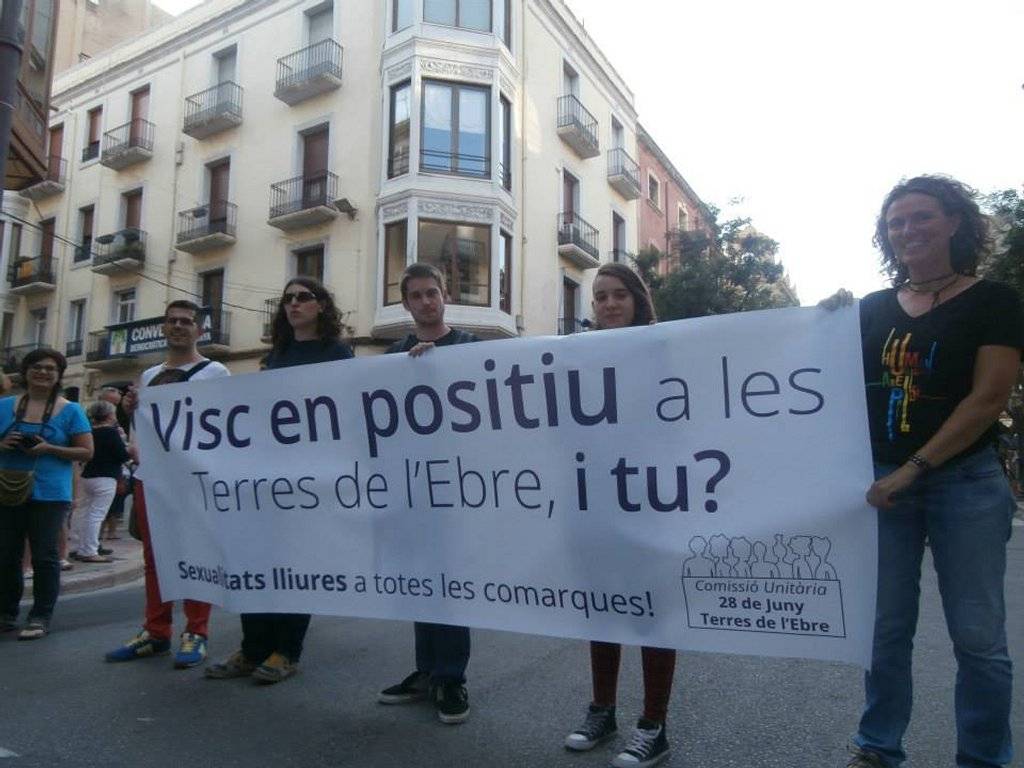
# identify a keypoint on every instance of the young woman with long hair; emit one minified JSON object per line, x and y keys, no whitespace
{"x":620,"y":300}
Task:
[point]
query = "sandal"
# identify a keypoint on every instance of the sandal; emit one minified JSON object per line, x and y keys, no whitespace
{"x":34,"y":630}
{"x":94,"y":559}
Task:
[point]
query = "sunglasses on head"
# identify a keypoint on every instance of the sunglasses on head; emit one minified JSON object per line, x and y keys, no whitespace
{"x":300,"y":296}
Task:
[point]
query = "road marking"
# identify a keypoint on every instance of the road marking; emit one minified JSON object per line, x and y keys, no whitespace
{"x":7,"y":753}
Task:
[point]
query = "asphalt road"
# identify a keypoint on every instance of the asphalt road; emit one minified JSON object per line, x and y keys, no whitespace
{"x":61,"y":705}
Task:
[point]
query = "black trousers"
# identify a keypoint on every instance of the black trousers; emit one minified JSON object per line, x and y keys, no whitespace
{"x":39,"y":522}
{"x":264,"y":633}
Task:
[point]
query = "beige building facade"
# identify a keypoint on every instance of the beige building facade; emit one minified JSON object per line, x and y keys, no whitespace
{"x":249,"y":141}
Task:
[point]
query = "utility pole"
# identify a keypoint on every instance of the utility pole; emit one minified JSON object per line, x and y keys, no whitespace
{"x":10,"y":66}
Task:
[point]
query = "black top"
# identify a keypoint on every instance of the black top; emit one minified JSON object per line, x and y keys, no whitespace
{"x":306,"y":352}
{"x":108,"y":454}
{"x":454,"y":336}
{"x":917,"y":370}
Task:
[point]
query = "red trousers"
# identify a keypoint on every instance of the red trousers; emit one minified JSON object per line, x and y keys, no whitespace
{"x":159,"y":614}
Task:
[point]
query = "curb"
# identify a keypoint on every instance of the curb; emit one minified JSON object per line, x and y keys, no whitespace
{"x":114,"y":578}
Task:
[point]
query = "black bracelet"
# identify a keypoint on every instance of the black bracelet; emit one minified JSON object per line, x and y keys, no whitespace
{"x":920,"y":462}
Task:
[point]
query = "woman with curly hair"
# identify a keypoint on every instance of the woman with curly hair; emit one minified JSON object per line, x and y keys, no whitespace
{"x":941,"y":352}
{"x":306,"y":329}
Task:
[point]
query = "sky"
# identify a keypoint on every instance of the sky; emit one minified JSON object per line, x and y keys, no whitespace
{"x":808,"y":112}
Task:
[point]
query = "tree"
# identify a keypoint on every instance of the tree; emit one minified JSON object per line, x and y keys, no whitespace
{"x":733,"y":271}
{"x":1006,"y":263}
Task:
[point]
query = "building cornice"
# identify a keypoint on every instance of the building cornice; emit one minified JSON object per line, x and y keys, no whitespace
{"x":561,"y":17}
{"x":133,"y":55}
{"x":645,"y":139}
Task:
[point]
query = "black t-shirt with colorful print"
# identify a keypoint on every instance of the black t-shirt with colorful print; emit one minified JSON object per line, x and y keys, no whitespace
{"x":918,"y":369}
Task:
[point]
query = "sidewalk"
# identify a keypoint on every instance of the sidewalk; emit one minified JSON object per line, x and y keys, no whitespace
{"x":88,"y":577}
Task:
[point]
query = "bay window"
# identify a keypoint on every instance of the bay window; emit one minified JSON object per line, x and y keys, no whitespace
{"x":463,"y":254}
{"x":395,"y":239}
{"x":398,"y":152}
{"x":456,"y":132}
{"x":468,"y":14}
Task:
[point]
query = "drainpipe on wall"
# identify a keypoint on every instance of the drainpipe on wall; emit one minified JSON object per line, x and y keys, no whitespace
{"x":179,"y":158}
{"x":521,"y":119}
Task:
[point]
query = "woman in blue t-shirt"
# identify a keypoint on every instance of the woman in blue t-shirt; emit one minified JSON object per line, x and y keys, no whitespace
{"x":44,"y":433}
{"x":941,"y":353}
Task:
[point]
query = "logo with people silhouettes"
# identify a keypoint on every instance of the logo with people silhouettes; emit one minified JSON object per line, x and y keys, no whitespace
{"x":786,"y":586}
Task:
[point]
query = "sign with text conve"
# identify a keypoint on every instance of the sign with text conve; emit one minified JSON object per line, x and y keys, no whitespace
{"x":696,"y":484}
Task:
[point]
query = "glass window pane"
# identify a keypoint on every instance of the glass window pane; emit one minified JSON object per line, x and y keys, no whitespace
{"x":473,"y":144}
{"x":403,"y":15}
{"x":437,"y":127}
{"x":463,"y":253}
{"x":398,"y":162}
{"x":394,"y":261}
{"x":439,"y":11}
{"x":475,"y":14}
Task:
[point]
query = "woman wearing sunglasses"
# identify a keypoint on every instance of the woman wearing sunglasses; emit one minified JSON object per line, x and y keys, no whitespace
{"x":306,"y":329}
{"x":42,"y":434}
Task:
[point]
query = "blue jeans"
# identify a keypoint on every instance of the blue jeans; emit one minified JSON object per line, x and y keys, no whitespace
{"x":442,"y":651}
{"x":965,"y":509}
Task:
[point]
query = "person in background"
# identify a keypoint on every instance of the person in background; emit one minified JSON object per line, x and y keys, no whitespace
{"x":621,"y":300}
{"x":44,"y":433}
{"x":306,"y":329}
{"x":182,"y":328}
{"x":98,"y":483}
{"x":442,"y":650}
{"x":941,"y":352}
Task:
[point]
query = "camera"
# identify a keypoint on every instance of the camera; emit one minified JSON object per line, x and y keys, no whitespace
{"x":29,"y":441}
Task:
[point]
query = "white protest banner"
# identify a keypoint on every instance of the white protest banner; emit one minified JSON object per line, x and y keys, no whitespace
{"x":696,"y":484}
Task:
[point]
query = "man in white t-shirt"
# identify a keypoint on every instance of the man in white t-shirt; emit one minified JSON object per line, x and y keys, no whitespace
{"x":182,"y":328}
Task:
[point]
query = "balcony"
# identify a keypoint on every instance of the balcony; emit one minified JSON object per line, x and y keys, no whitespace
{"x":116,"y":344}
{"x":435,"y":161}
{"x":31,"y":276}
{"x":74,"y":348}
{"x":83,"y":251}
{"x":307,"y":73}
{"x":577,"y":127}
{"x":127,"y":144}
{"x":51,"y":184}
{"x":120,"y":252}
{"x":570,"y":325}
{"x":214,"y":110}
{"x":12,"y":356}
{"x":577,"y":241}
{"x":90,"y":151}
{"x":624,"y":174}
{"x":268,"y":314}
{"x":207,"y":227}
{"x":303,"y":201}
{"x":620,"y":256}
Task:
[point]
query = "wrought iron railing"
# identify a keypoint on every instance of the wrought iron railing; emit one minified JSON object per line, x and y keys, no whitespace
{"x":222,"y":99}
{"x":322,"y":58}
{"x":56,"y":169}
{"x":41,"y":269}
{"x":621,"y":256}
{"x":97,"y":345}
{"x":621,"y":164}
{"x":572,"y":113}
{"x":129,"y":243}
{"x":218,"y":216}
{"x":135,"y":133}
{"x":74,"y":347}
{"x":268,"y":314}
{"x":90,"y":151}
{"x":572,"y":230}
{"x":567,"y":325}
{"x":83,"y":251}
{"x":303,"y":192}
{"x":438,"y":161}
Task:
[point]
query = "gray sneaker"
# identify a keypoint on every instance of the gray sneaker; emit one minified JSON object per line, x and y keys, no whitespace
{"x":599,"y":726}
